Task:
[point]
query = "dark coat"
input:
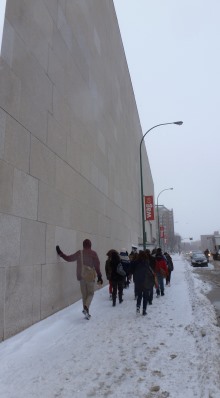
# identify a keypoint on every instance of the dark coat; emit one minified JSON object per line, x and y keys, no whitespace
{"x":108,"y":269}
{"x":114,"y":275}
{"x":142,"y":274}
{"x":169,"y":262}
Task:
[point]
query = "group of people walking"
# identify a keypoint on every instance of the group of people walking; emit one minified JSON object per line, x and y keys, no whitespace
{"x":148,"y":270}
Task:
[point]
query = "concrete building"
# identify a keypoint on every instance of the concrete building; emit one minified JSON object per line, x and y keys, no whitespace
{"x":69,"y":151}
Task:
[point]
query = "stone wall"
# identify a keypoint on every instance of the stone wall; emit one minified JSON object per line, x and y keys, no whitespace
{"x":69,"y":151}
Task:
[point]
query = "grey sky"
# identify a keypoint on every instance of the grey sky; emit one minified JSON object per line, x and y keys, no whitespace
{"x":172,"y":48}
{"x":2,"y":15}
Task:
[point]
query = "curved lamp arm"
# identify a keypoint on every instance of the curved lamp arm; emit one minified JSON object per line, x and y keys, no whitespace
{"x":179,"y":123}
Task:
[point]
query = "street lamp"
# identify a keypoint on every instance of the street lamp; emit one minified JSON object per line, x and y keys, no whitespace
{"x":141,"y":175}
{"x":158,"y":222}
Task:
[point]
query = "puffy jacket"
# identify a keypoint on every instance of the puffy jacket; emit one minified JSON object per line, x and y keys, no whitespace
{"x":161,"y":266}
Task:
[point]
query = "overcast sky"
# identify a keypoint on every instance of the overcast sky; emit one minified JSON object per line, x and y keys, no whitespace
{"x":2,"y":15}
{"x":173,"y":53}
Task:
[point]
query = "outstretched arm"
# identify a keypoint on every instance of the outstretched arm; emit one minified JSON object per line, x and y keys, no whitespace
{"x":71,"y":257}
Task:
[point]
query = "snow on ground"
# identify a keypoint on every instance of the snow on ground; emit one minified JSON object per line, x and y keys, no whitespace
{"x":172,"y":352}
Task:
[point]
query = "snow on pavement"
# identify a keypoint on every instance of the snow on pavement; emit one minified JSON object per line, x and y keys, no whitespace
{"x":172,"y":352}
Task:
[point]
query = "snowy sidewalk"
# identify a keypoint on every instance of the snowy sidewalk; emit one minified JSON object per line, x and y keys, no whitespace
{"x":172,"y":352}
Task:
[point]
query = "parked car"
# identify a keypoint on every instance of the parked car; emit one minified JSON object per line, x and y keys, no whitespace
{"x":199,"y":260}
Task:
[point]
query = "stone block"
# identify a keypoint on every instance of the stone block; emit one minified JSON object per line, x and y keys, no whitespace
{"x":52,"y":6}
{"x":32,"y":116}
{"x":2,"y":301}
{"x":64,"y":28}
{"x":21,"y":290}
{"x":66,"y":178}
{"x":51,"y":254}
{"x":25,"y":195}
{"x":10,"y":232}
{"x":61,"y":110}
{"x":56,"y":139}
{"x":75,"y":143}
{"x":33,"y":237}
{"x":10,"y":90}
{"x":2,"y":132}
{"x":66,"y":239}
{"x":32,"y":75}
{"x":42,"y":162}
{"x":6,"y":186}
{"x":53,"y":207}
{"x":59,"y":287}
{"x":17,"y":145}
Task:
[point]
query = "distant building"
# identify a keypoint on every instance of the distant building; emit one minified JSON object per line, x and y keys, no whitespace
{"x":166,"y":228}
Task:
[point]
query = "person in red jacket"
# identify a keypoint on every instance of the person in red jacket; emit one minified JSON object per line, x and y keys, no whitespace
{"x":161,"y":270}
{"x":88,"y":265}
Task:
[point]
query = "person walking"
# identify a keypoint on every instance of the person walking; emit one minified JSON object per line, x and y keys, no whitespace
{"x":169,"y":266}
{"x":116,"y":277}
{"x":88,"y":266}
{"x":125,"y":261}
{"x":108,"y":271}
{"x":144,"y":281}
{"x":161,"y":270}
{"x":152,"y":263}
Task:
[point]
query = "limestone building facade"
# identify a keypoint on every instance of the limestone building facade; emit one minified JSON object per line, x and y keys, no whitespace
{"x":69,"y":151}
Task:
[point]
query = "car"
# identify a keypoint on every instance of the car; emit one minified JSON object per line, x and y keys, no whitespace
{"x":198,"y":259}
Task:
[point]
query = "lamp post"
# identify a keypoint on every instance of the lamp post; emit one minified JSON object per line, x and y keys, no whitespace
{"x":141,"y":176}
{"x":158,"y":219}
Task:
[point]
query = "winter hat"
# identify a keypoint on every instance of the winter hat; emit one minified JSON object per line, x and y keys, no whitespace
{"x":124,"y":254}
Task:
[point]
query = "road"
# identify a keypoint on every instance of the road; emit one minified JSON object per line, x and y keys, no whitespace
{"x":212,"y":276}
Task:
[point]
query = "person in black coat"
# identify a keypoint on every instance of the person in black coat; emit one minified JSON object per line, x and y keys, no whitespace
{"x":152,"y":263}
{"x":169,"y":266}
{"x":125,"y":261}
{"x":144,"y":280}
{"x":116,"y":279}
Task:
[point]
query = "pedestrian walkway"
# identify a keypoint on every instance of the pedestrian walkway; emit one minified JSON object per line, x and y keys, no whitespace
{"x":172,"y":352}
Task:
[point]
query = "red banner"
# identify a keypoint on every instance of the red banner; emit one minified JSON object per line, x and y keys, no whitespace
{"x":149,"y":208}
{"x":162,"y":232}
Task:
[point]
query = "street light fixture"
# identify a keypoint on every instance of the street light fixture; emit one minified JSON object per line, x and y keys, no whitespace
{"x":158,"y":220}
{"x":141,"y":175}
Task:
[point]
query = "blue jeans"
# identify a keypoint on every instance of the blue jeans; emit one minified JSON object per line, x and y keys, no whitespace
{"x":160,"y":289}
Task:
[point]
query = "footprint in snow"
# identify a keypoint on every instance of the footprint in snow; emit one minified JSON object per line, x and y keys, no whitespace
{"x":173,"y":356}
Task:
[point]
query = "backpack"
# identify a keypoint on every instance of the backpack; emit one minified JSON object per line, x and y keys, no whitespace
{"x":169,"y":263}
{"x":120,"y":270}
{"x":88,"y":273}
